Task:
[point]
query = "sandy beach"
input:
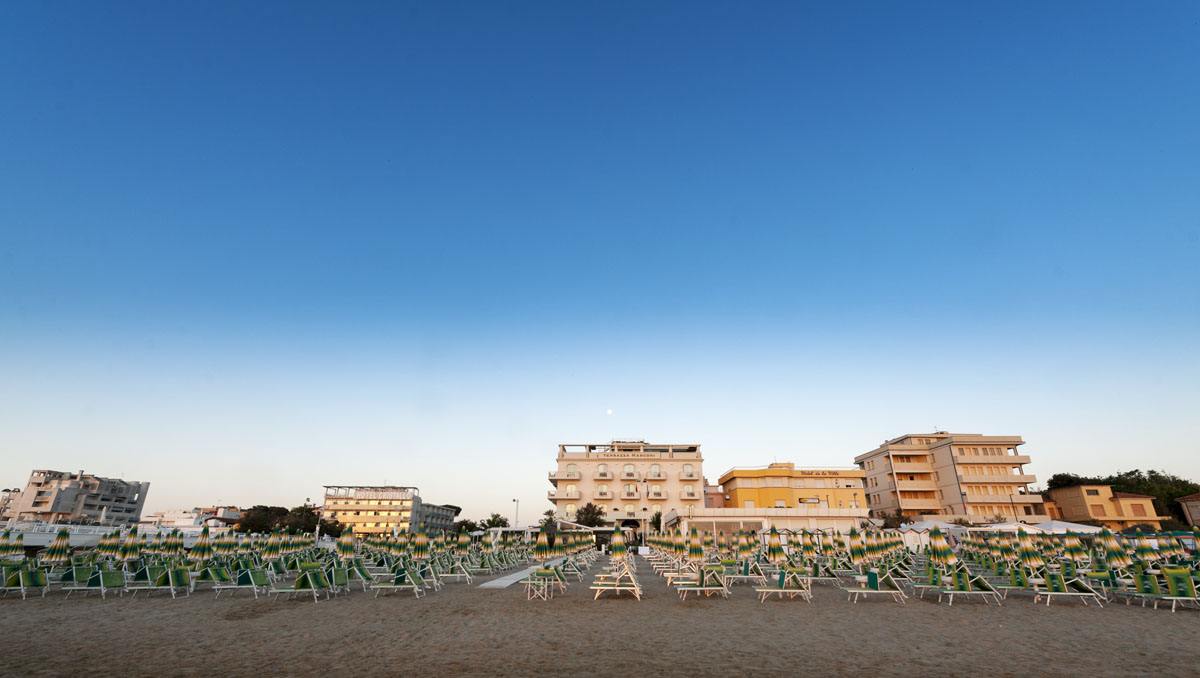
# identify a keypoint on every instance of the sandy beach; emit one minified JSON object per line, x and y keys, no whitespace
{"x":464,"y":630}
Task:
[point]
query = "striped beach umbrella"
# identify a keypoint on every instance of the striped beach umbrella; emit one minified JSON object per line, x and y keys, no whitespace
{"x":808,"y":545}
{"x":463,"y":545}
{"x":744,"y":550}
{"x":695,"y":546}
{"x":708,"y":540}
{"x":418,"y":546}
{"x":131,"y":549}
{"x":616,"y":547}
{"x":1028,"y":553}
{"x":722,"y":542}
{"x":1142,"y":548}
{"x":939,"y":549}
{"x":16,"y":546}
{"x":5,"y":544}
{"x":58,"y":552}
{"x":774,"y":546}
{"x":679,"y":543}
{"x":857,"y":551}
{"x":541,"y":548}
{"x":345,"y":544}
{"x":202,"y":550}
{"x":1073,"y":548}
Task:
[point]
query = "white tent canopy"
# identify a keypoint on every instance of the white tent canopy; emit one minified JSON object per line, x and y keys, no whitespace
{"x":1010,"y":527}
{"x":1062,"y":527}
{"x":927,"y":525}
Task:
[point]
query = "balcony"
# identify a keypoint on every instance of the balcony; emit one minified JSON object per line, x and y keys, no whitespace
{"x":916,"y":485}
{"x":556,"y":475}
{"x":657,"y":495}
{"x":691,"y":496}
{"x":975,"y":498}
{"x":688,"y":476}
{"x":920,"y":504}
{"x":602,"y":475}
{"x":553,"y":495}
{"x":913,"y":468}
{"x":629,"y":475}
{"x":999,"y":478}
{"x":603,"y":494}
{"x":630,"y":494}
{"x":656,"y":476}
{"x":1004,"y":459}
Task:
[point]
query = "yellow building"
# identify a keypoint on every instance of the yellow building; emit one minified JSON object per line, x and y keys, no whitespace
{"x":783,"y":485}
{"x":1099,"y":503}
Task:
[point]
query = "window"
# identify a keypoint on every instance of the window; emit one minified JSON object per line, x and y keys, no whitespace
{"x":1092,"y":493}
{"x":655,"y":471}
{"x":629,"y":508}
{"x":1098,"y":509}
{"x":570,"y":509}
{"x":748,"y":503}
{"x":602,"y":469}
{"x":1139,"y":509}
{"x":627,"y":469}
{"x":572,"y":470}
{"x":687,"y":471}
{"x":571,"y":490}
{"x":779,"y":503}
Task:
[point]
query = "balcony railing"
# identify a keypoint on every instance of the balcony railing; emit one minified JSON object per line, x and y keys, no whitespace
{"x":656,"y":476}
{"x":657,"y":495}
{"x":630,"y":494}
{"x":629,"y":475}
{"x":603,"y":494}
{"x":552,"y":495}
{"x":691,"y":496}
{"x":602,"y":475}
{"x":565,"y":475}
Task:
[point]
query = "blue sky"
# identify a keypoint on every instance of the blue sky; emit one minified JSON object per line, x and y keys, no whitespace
{"x":248,"y":250}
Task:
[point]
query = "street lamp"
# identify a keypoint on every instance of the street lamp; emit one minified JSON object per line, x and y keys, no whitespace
{"x":516,"y":512}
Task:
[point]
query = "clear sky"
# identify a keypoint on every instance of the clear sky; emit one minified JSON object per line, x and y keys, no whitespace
{"x":248,"y":249}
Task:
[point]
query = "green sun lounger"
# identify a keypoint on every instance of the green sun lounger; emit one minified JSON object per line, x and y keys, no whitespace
{"x":1055,"y":585}
{"x":789,"y":583}
{"x":401,"y":581}
{"x":255,"y":580}
{"x":874,"y":584}
{"x":25,"y":580}
{"x":1181,"y":588}
{"x":967,"y":585}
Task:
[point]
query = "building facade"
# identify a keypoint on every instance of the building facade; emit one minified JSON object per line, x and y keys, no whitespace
{"x":1191,"y":508}
{"x":630,"y":481}
{"x":82,"y":498}
{"x":1100,"y":504}
{"x":195,"y":518}
{"x":952,"y":475}
{"x":8,"y":500}
{"x":383,"y":509}
{"x":782,"y":485}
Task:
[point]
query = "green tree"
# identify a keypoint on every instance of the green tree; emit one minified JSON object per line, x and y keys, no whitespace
{"x":656,"y":521}
{"x":300,"y":519}
{"x":465,"y":526}
{"x":892,"y":521}
{"x":494,"y":520}
{"x":259,"y":518}
{"x":1164,"y":487}
{"x":589,"y":515}
{"x":332,"y":528}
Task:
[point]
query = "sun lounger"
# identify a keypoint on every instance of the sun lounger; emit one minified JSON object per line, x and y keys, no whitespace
{"x":102,"y":582}
{"x":789,"y":583}
{"x":1181,"y":588}
{"x":24,"y":580}
{"x":874,"y":584}
{"x":709,"y":583}
{"x":965,"y":584}
{"x":255,"y":580}
{"x":308,"y":582}
{"x":401,"y":581}
{"x":1054,"y":585}
{"x":149,"y":578}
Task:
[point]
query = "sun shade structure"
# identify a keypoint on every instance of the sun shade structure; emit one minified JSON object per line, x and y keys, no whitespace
{"x":58,"y":552}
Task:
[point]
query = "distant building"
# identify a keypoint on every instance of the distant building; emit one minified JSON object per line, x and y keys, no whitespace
{"x":8,"y":499}
{"x":630,"y":480}
{"x":782,"y":485}
{"x":781,"y":496}
{"x":951,"y":475}
{"x":382,"y":509}
{"x":65,"y":497}
{"x":1191,"y":508}
{"x":211,"y":516}
{"x":1100,"y":504}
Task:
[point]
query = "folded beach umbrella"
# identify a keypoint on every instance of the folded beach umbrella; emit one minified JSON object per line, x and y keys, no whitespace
{"x":616,"y":548}
{"x":1143,"y":550}
{"x":1027,"y":551}
{"x":401,"y":543}
{"x":774,"y":546}
{"x":4,"y":543}
{"x":418,"y":546}
{"x":541,"y":548}
{"x":722,"y":542}
{"x":744,"y":550}
{"x":708,"y":540}
{"x":345,"y":544}
{"x":1073,"y":548}
{"x":16,"y":546}
{"x":695,"y":546}
{"x":58,"y":552}
{"x":202,"y":550}
{"x":463,"y":545}
{"x":858,"y":553}
{"x":808,"y":546}
{"x":131,"y":549}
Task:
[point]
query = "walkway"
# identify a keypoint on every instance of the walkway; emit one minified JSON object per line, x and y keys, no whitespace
{"x":510,"y":579}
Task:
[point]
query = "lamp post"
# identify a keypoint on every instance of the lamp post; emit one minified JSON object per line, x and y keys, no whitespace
{"x":516,"y":512}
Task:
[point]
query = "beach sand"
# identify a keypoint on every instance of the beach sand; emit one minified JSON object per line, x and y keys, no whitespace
{"x":463,"y":630}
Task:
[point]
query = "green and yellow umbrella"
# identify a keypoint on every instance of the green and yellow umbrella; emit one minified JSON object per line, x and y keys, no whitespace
{"x":695,"y":546}
{"x":131,"y":549}
{"x":463,"y":545}
{"x":1028,"y":553}
{"x":744,"y":549}
{"x":58,"y":552}
{"x":858,"y":552}
{"x":418,"y":546}
{"x":774,"y":547}
{"x":1142,"y":549}
{"x":202,"y":550}
{"x":708,"y":540}
{"x":940,"y":552}
{"x":4,"y":544}
{"x":1073,"y":548}
{"x":345,"y":544}
{"x":16,"y":546}
{"x":616,"y":547}
{"x":541,"y":549}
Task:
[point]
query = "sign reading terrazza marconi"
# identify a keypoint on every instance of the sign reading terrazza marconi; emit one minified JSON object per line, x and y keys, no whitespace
{"x":634,"y":455}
